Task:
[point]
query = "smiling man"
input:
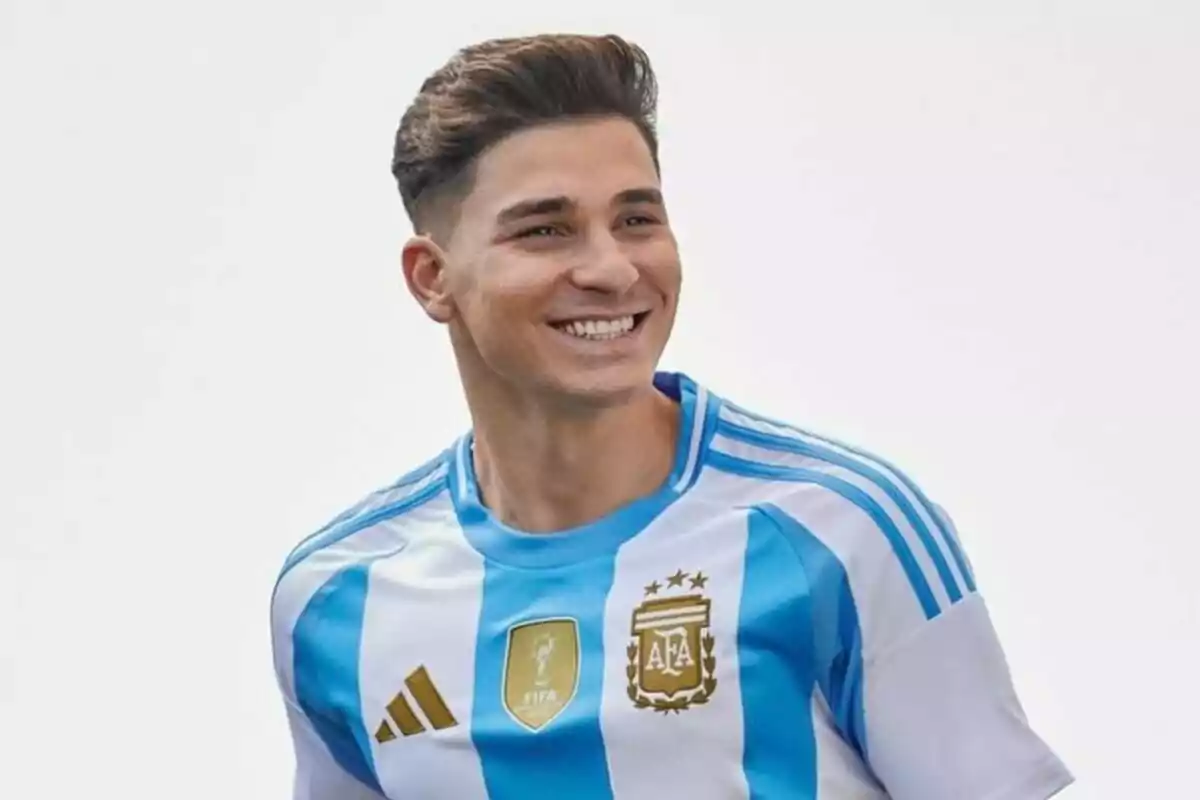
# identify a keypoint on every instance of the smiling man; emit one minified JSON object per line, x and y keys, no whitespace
{"x":619,"y":584}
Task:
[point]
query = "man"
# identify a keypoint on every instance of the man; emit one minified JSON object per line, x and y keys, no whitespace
{"x":619,"y":584}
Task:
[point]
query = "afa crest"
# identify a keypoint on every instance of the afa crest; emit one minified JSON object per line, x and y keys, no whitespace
{"x":671,"y":662}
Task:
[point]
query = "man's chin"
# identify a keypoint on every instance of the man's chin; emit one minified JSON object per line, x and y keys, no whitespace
{"x":602,"y":387}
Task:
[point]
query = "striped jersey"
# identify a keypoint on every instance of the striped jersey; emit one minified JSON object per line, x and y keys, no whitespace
{"x":787,"y":618}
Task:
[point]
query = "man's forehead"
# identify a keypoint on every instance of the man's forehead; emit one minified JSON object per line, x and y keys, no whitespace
{"x":587,"y":163}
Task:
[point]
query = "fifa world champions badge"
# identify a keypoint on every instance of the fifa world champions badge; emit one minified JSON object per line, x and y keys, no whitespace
{"x":541,"y":670}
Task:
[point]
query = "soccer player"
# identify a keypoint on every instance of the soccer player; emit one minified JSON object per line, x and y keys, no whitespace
{"x":619,"y":583}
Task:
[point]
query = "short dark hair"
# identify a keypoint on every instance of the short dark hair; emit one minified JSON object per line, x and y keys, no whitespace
{"x":490,"y":90}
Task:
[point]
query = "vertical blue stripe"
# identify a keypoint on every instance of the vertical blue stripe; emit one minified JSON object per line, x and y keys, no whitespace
{"x":836,"y":634}
{"x":776,"y":668}
{"x":856,"y":466}
{"x":947,"y":536}
{"x":566,"y":758}
{"x":752,"y":469}
{"x":327,"y":645}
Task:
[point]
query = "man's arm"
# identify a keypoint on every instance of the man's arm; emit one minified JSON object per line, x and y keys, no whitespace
{"x":928,"y":702}
{"x":944,"y":722}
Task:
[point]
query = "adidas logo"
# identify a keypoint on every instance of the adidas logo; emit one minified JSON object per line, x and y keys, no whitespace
{"x":399,"y":711}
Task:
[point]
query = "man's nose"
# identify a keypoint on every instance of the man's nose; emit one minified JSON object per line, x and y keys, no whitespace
{"x":605,"y":267}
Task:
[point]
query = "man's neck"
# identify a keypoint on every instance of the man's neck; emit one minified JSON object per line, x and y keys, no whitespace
{"x":541,"y":471}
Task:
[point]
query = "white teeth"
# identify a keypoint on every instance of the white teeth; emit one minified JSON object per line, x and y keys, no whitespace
{"x":598,"y":329}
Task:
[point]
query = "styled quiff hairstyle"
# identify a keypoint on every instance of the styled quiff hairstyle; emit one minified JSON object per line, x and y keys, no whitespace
{"x":493,"y":89}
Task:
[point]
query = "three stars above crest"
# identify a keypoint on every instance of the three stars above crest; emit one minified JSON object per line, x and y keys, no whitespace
{"x":696,"y":581}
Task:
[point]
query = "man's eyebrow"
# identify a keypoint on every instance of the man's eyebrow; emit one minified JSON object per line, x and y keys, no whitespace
{"x":533,"y":208}
{"x":539,"y":206}
{"x":645,"y":194}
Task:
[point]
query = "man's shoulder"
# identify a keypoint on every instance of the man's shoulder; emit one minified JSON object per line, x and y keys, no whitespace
{"x":404,"y":494}
{"x":835,"y":481}
{"x":777,"y":449}
{"x":855,"y":502}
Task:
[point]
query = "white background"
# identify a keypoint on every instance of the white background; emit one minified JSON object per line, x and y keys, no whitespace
{"x":962,"y":234}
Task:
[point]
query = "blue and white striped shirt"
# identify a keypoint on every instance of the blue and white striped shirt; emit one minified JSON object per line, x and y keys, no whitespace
{"x":787,"y":618}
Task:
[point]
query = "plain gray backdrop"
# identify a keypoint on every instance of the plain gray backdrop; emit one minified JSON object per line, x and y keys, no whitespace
{"x":961,"y":234}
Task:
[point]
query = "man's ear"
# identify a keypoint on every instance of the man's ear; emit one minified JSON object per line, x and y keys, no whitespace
{"x":424,"y":266}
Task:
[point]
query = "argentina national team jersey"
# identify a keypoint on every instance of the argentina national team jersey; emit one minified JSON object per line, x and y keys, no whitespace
{"x":787,"y":618}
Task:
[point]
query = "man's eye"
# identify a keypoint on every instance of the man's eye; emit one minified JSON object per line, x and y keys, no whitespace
{"x":538,"y":231}
{"x":640,"y":219}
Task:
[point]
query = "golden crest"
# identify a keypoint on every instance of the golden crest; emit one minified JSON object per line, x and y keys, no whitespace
{"x":541,"y":670}
{"x":671,"y":661}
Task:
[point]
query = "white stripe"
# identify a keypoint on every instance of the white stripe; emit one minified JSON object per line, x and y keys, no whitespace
{"x":699,"y":415}
{"x":423,"y":610}
{"x":692,"y":609}
{"x":706,"y":740}
{"x":667,"y":623}
{"x":891,"y":473}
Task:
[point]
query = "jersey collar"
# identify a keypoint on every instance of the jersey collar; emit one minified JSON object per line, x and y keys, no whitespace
{"x":504,"y":544}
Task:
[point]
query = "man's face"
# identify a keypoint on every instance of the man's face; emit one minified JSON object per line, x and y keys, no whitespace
{"x":562,"y":274}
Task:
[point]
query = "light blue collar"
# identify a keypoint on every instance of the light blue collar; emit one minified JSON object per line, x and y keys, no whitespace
{"x":507,"y":545}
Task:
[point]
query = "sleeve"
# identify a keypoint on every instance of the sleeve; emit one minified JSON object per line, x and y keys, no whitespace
{"x":907,"y":659}
{"x":942,"y":718}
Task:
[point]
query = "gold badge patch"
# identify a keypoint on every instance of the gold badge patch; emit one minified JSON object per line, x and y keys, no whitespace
{"x":671,"y":662}
{"x":541,"y":670}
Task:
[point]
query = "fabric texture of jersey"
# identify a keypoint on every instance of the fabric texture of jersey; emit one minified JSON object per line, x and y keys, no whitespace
{"x":787,"y":618}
